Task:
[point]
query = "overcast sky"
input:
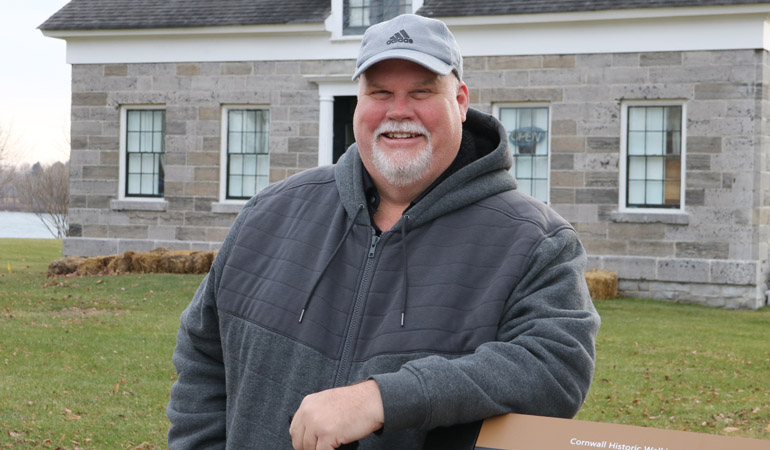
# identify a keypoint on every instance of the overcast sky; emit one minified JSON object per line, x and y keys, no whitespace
{"x":34,"y":80}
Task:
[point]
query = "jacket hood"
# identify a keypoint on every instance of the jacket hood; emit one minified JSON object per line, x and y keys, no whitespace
{"x":484,"y":177}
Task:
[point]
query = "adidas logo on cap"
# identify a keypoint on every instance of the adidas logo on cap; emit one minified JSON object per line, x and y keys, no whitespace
{"x":401,"y":36}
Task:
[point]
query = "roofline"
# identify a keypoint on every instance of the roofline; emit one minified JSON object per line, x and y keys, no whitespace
{"x":452,"y":21}
{"x":314,"y":27}
{"x":602,"y":15}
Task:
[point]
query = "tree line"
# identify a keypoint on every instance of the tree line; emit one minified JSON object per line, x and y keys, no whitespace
{"x":39,"y":189}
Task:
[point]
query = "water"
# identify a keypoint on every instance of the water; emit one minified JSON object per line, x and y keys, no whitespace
{"x":22,"y":225}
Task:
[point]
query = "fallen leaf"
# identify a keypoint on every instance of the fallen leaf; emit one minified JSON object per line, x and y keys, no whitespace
{"x":730,"y":429}
{"x":71,"y":415}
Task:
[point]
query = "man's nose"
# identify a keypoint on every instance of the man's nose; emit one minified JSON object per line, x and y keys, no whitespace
{"x":400,"y":108}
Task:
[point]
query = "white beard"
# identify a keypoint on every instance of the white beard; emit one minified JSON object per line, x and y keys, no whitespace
{"x":402,"y":167}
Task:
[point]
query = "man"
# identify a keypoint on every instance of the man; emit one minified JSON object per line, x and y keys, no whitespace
{"x":408,"y":287}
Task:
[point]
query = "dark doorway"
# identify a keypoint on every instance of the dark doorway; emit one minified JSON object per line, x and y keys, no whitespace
{"x":343,"y":125}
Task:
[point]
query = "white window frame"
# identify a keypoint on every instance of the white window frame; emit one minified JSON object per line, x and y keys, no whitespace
{"x":223,"y":200}
{"x":123,"y":163}
{"x":496,"y":107}
{"x":334,"y":22}
{"x":623,"y":165}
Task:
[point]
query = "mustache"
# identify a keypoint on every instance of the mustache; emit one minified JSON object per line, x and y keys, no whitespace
{"x":395,"y":126}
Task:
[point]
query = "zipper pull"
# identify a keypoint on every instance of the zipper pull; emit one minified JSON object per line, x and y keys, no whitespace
{"x":373,"y":245}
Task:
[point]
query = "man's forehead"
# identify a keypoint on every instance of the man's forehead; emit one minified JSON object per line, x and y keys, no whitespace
{"x":398,"y":70}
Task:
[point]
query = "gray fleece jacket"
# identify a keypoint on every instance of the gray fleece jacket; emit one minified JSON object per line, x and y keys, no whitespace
{"x":474,"y":304}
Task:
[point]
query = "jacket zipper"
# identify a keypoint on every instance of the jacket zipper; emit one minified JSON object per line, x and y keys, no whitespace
{"x":355,"y":321}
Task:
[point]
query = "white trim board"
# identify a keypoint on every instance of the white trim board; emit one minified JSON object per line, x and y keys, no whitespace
{"x":643,"y":30}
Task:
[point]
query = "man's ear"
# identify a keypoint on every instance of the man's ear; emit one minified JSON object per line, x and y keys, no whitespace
{"x":462,"y":99}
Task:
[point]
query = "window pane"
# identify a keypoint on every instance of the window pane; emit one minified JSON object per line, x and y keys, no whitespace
{"x":236,"y":164}
{"x":157,"y":142}
{"x":234,"y":144}
{"x":133,"y":120}
{"x":524,"y":167}
{"x":674,"y":118}
{"x":655,"y":168}
{"x":250,"y":143}
{"x":235,"y":120}
{"x":541,"y":190}
{"x":249,"y":186}
{"x":673,"y":192}
{"x":673,"y":143}
{"x":235,"y":187}
{"x":148,"y":184}
{"x":541,"y":167}
{"x":148,"y":164}
{"x":158,"y":121}
{"x":636,"y":142}
{"x":636,"y":119}
{"x":654,"y":141}
{"x":250,"y":121}
{"x":145,"y":142}
{"x":134,"y":181}
{"x":134,"y":163}
{"x":636,"y":168}
{"x":636,"y":192}
{"x":654,"y":192}
{"x":132,"y":142}
{"x":655,"y":118}
{"x":262,"y":182}
{"x":250,"y":165}
{"x":146,"y":121}
{"x":263,"y":164}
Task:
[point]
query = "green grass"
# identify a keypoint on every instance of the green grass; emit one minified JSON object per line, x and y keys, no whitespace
{"x":86,"y":362}
{"x":683,"y":367}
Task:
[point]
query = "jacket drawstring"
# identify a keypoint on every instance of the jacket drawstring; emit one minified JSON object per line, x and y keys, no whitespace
{"x":328,"y":263}
{"x":405,"y":268}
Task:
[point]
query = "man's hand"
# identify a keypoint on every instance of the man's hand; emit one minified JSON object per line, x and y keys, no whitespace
{"x":328,"y":419}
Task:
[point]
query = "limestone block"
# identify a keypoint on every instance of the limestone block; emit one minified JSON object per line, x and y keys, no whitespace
{"x":79,"y":246}
{"x":734,"y":272}
{"x":683,"y":270}
{"x":632,"y":267}
{"x":704,"y":250}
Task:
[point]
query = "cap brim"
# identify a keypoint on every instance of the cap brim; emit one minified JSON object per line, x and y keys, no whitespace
{"x":429,"y":62}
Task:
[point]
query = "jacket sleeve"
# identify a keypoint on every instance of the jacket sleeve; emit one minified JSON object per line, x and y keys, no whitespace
{"x":542,"y":362}
{"x":197,"y":406}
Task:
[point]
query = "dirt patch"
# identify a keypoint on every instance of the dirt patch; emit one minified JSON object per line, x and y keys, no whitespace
{"x":159,"y":260}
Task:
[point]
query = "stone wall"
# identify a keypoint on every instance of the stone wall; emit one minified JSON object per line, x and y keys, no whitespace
{"x":193,"y":95}
{"x":715,"y":254}
{"x":722,"y":241}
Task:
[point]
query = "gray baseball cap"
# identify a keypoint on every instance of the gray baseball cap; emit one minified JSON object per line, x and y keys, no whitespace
{"x":427,"y":42}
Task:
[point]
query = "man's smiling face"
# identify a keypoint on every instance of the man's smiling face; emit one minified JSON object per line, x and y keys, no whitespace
{"x":408,"y":122}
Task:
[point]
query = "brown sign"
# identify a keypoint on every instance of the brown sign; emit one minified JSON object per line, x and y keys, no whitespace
{"x":522,"y":432}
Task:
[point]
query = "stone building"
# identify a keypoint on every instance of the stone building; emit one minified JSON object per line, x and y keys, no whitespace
{"x":643,"y":123}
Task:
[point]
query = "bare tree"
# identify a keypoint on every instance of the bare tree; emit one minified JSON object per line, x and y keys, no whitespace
{"x":8,"y":153}
{"x":46,"y":190}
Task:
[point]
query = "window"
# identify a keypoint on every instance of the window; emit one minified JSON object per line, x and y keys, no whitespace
{"x":246,"y":158}
{"x":653,"y":147}
{"x":358,"y":15}
{"x":529,"y":139}
{"x":144,"y":149}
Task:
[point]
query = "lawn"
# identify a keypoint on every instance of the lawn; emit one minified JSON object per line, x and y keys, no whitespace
{"x":86,"y":362}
